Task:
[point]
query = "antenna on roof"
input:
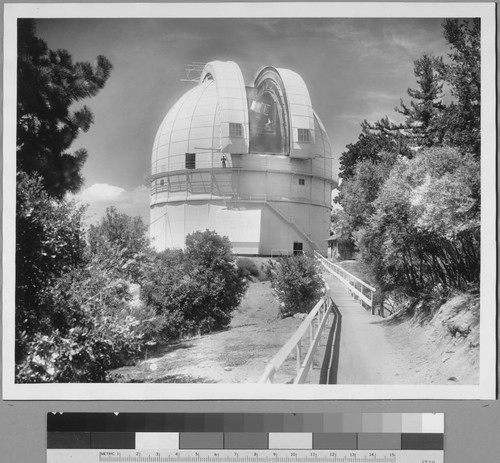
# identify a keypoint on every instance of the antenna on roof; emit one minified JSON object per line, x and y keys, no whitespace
{"x":193,"y":72}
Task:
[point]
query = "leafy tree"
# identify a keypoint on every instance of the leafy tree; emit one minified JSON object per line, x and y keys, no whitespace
{"x":358,"y":193}
{"x":339,"y":221}
{"x":297,"y":282}
{"x":120,"y":230}
{"x":48,"y":84}
{"x":424,"y":231}
{"x":340,"y":225}
{"x":118,"y":234}
{"x":368,"y":147}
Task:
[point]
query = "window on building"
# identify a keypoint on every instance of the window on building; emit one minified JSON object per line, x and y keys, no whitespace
{"x":162,"y":182}
{"x":302,"y":181}
{"x":297,"y":247}
{"x":304,"y":135}
{"x":190,"y":160}
{"x":235,"y":130}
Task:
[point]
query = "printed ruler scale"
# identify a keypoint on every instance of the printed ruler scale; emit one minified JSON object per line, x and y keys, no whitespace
{"x":161,"y":456}
{"x":245,"y":438}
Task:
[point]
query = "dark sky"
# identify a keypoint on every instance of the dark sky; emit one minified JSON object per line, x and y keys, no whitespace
{"x":355,"y":69}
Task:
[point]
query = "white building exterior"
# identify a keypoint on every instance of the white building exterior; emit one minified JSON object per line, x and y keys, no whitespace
{"x":253,"y":163}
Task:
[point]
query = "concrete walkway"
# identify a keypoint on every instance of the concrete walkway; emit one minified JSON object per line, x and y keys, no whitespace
{"x":364,"y":355}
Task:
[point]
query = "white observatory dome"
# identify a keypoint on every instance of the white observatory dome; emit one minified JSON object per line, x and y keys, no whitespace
{"x":243,"y":160}
{"x":199,"y":121}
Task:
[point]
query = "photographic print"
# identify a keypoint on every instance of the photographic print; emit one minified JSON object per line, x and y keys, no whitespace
{"x":249,"y":201}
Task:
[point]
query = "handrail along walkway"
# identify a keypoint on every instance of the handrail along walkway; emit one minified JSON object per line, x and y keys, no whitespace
{"x":319,"y":316}
{"x":358,"y":288}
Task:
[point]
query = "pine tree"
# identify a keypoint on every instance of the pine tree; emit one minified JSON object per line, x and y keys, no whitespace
{"x":426,"y":105}
{"x":420,"y":128}
{"x":461,"y":123}
{"x":48,"y":83}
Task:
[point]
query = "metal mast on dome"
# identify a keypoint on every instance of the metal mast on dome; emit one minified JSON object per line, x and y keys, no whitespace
{"x":193,"y":72}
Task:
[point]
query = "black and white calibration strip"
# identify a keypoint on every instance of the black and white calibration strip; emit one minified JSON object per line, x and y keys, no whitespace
{"x":245,"y":437}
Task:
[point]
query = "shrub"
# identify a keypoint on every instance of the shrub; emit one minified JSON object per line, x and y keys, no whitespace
{"x":195,"y":290}
{"x":92,"y":328}
{"x":211,"y":266}
{"x":297,"y":283}
{"x":84,"y":354}
{"x":49,"y":243}
{"x":247,"y":267}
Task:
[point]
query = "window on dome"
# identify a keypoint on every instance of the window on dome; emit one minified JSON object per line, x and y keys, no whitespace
{"x":235,"y":130}
{"x":190,"y":161}
{"x":303,"y":135}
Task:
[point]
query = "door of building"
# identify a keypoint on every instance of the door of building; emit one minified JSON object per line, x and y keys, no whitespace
{"x":297,"y":247}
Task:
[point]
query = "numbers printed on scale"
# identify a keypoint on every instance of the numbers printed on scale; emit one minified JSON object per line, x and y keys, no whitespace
{"x":243,"y":456}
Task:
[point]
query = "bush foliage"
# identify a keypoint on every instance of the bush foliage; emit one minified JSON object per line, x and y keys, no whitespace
{"x":248,"y":268}
{"x":196,"y":290}
{"x":84,"y":323}
{"x":425,"y":228}
{"x":119,"y":236}
{"x":297,"y":283}
{"x":88,"y":328}
{"x":49,"y":243}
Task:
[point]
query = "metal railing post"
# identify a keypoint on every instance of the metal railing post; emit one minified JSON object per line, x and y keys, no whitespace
{"x":298,"y":349}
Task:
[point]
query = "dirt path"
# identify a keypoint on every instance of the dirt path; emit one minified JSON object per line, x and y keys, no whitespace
{"x":238,"y":354}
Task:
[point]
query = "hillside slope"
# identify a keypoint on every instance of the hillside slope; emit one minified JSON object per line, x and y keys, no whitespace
{"x":238,"y":354}
{"x":442,"y":348}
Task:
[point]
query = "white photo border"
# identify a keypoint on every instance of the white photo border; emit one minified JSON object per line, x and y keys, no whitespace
{"x":488,"y":322}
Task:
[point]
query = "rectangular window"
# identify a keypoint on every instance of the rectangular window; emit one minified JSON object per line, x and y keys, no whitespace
{"x":235,"y":130}
{"x":303,"y":135}
{"x":302,"y":181}
{"x":190,"y":160}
